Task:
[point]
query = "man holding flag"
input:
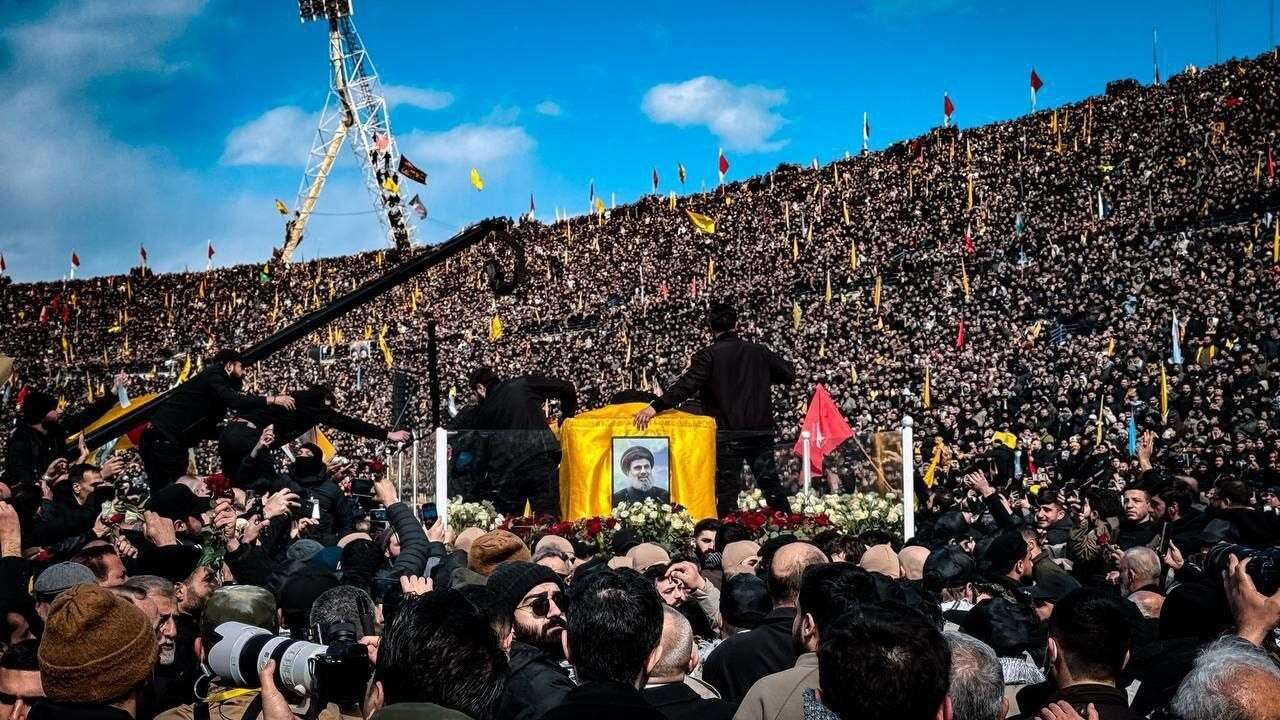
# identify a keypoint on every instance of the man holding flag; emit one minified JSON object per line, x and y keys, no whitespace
{"x":731,"y":378}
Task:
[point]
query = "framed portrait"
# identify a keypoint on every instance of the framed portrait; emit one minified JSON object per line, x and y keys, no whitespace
{"x":641,"y":469}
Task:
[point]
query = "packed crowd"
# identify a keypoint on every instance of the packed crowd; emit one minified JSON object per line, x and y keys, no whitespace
{"x":1034,"y":275}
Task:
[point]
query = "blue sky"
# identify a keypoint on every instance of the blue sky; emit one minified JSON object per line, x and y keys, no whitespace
{"x":174,"y":122}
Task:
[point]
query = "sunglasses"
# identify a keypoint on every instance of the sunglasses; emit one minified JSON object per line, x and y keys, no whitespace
{"x":540,"y":605}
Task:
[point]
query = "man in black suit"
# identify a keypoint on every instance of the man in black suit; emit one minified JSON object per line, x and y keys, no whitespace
{"x":731,"y":379}
{"x":523,"y":454}
{"x":670,"y":690}
{"x":40,"y":435}
{"x":191,"y":413}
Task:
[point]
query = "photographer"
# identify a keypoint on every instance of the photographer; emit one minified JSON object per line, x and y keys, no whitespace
{"x":313,"y":483}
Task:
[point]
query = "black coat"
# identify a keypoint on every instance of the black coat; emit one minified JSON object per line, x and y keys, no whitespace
{"x":310,"y":410}
{"x":515,"y":422}
{"x":30,"y":451}
{"x":193,"y":409}
{"x":741,"y":660}
{"x":678,"y":701}
{"x":535,"y":684}
{"x":731,"y":379}
{"x":599,"y":700}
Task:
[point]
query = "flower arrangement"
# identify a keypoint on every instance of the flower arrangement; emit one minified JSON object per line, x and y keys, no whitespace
{"x":860,"y":512}
{"x":483,"y":515}
{"x":595,"y":531}
{"x":812,"y":513}
{"x":665,"y":524}
{"x":753,"y":499}
{"x":763,"y":524}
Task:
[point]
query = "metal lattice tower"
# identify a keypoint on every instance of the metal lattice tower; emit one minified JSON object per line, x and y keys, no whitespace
{"x":354,"y":111}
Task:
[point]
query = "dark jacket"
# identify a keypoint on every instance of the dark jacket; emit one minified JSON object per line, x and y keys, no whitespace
{"x":677,"y":701}
{"x":600,"y":700}
{"x":514,"y":423}
{"x":30,"y":451}
{"x":1111,"y":703}
{"x":1058,"y":533}
{"x":337,"y":514}
{"x":63,"y":517}
{"x":310,"y":409}
{"x":415,"y":548}
{"x":731,"y":379}
{"x":535,"y":684}
{"x":1253,"y":528}
{"x":1132,"y":535}
{"x":738,"y":662}
{"x":193,"y":409}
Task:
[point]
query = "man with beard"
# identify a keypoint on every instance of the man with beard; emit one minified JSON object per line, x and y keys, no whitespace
{"x":169,"y":676}
{"x":191,"y":412}
{"x":533,"y":596}
{"x":637,"y":465}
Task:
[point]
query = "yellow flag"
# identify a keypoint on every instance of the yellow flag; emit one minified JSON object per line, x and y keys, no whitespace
{"x":598,"y":205}
{"x":476,"y":182}
{"x":495,"y":328}
{"x":1053,"y":124}
{"x":702,"y":222}
{"x":827,"y":296}
{"x":711,"y":269}
{"x":1097,"y":440}
{"x":964,"y":279}
{"x":795,"y":248}
{"x":968,"y":151}
{"x":368,"y":332}
{"x":970,"y":192}
{"x":281,"y":207}
{"x":672,"y":200}
{"x":1164,"y":394}
{"x":845,"y":207}
{"x":386,"y":349}
{"x":796,"y":315}
{"x":926,"y":398}
{"x":1275,"y":243}
{"x":327,"y":450}
{"x":390,"y":185}
{"x":853,"y":254}
{"x":933,"y":465}
{"x":1111,"y":347}
{"x":186,"y":371}
{"x":875,"y":294}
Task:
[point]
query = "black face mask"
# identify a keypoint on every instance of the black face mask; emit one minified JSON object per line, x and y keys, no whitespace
{"x":307,"y":466}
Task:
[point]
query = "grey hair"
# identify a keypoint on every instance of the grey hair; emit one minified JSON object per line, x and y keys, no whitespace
{"x":1142,"y":561}
{"x":977,"y":681}
{"x":152,"y":585}
{"x":675,"y":656}
{"x":1214,"y":690}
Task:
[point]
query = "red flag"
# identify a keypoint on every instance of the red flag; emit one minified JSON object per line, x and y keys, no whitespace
{"x":1232,"y":102}
{"x":948,"y":107}
{"x":531,"y":203}
{"x":142,"y":252}
{"x":75,"y":259}
{"x":3,"y":267}
{"x":960,"y":336}
{"x":724,"y":163}
{"x":655,"y":179}
{"x":1036,"y":82}
{"x":968,"y":242}
{"x":827,"y":429}
{"x":210,"y":252}
{"x":22,"y":395}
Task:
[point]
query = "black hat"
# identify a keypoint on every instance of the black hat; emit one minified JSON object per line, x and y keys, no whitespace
{"x":178,"y":502}
{"x":1053,"y":587}
{"x":226,"y":355}
{"x":36,"y":405}
{"x":948,"y":567}
{"x":1005,"y":550}
{"x":511,"y":581}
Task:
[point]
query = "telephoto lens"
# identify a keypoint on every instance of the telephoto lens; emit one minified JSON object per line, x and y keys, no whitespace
{"x":243,"y":650}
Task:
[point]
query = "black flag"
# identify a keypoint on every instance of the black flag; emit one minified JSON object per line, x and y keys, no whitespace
{"x":418,"y":207}
{"x":411,"y":171}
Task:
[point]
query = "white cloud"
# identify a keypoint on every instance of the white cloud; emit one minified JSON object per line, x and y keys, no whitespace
{"x":549,"y":108}
{"x":741,"y":116}
{"x":469,"y":144}
{"x":421,"y":98}
{"x":501,"y":115}
{"x":280,"y":136}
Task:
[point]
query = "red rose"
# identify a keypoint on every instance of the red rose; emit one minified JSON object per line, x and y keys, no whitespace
{"x":41,"y":557}
{"x":594,"y":526}
{"x":822,"y":520}
{"x":116,"y":519}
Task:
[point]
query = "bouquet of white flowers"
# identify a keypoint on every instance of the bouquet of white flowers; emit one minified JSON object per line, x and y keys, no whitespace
{"x":752,"y":499}
{"x":865,"y":511}
{"x":665,"y":524}
{"x":463,"y":515}
{"x":811,"y":503}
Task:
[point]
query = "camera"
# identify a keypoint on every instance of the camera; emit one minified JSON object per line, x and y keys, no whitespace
{"x":1263,"y":568}
{"x":333,"y":673}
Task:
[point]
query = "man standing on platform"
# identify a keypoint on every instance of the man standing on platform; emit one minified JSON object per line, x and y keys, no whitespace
{"x":523,"y":454}
{"x":732,"y":378}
